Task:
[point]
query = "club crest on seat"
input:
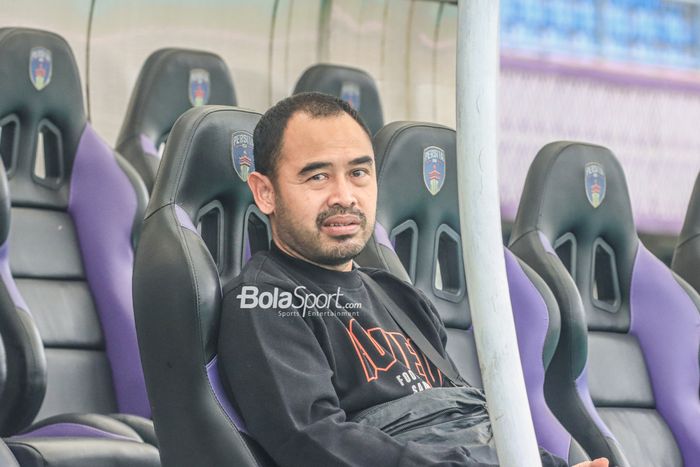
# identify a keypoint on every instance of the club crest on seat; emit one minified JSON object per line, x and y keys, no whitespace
{"x":350,"y":93}
{"x":242,"y":154}
{"x":40,"y":67}
{"x":199,"y":87}
{"x":595,"y":183}
{"x":433,"y":169}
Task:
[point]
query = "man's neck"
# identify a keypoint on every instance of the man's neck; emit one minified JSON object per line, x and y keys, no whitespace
{"x":345,"y":267}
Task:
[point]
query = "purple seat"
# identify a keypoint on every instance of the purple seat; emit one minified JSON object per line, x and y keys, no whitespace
{"x":686,"y":256}
{"x":417,"y":237}
{"x":88,"y":440}
{"x":170,"y":82}
{"x":94,"y":441}
{"x":353,"y":85}
{"x":77,"y":449}
{"x":81,"y":452}
{"x":200,"y":228}
{"x":71,"y":209}
{"x":625,"y":377}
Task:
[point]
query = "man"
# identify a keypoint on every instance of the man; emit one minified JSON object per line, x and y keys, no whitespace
{"x":299,"y":322}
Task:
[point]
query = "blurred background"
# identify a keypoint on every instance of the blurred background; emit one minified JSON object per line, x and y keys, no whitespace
{"x":621,"y":73}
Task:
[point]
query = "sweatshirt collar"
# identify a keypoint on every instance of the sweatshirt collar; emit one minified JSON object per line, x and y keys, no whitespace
{"x":345,"y":279}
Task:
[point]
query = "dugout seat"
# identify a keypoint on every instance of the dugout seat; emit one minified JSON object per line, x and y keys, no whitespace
{"x":69,"y":215}
{"x":170,"y":82}
{"x":686,"y":256}
{"x":72,"y":444}
{"x":417,"y":237}
{"x":625,"y":376}
{"x":70,"y":451}
{"x":661,"y":244}
{"x":201,"y":227}
{"x":355,"y":86}
{"x":79,"y":445}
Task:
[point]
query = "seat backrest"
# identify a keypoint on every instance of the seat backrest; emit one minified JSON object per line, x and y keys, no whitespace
{"x":686,"y":256}
{"x":200,"y":228}
{"x":67,"y":234}
{"x":417,"y":236}
{"x":353,"y":85}
{"x":170,"y":82}
{"x":630,"y":328}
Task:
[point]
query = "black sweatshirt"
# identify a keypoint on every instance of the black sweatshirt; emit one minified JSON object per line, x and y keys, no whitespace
{"x":300,"y":373}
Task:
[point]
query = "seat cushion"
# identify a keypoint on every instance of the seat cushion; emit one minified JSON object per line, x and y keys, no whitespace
{"x":83,"y":452}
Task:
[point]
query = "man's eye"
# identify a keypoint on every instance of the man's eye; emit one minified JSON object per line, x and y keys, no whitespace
{"x":359,"y":173}
{"x":318,"y":177}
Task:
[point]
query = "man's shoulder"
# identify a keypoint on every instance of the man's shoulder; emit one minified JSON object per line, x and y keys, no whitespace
{"x":381,"y":275}
{"x":392,"y":283}
{"x":408,"y":297}
{"x":263,"y":269}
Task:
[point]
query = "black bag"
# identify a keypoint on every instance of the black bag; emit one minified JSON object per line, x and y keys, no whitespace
{"x":448,"y":417}
{"x":443,"y":416}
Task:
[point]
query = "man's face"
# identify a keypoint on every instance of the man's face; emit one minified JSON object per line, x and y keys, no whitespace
{"x":325,"y":190}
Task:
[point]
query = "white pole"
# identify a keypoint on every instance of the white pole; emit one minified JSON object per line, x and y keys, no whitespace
{"x":477,"y":144}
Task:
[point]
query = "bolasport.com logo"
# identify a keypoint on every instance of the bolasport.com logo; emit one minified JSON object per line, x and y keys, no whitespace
{"x":300,"y":302}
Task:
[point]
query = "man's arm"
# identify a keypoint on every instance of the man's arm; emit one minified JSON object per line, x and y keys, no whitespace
{"x":600,"y":462}
{"x":282,"y":383}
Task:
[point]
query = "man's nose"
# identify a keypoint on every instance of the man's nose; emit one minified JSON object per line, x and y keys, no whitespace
{"x":343,"y":193}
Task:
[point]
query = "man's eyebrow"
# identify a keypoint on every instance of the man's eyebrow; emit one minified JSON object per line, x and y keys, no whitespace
{"x":311,"y":166}
{"x":362,"y":160}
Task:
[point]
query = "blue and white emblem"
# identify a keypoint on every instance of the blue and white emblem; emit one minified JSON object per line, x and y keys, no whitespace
{"x":242,"y":154}
{"x":199,"y":87}
{"x":595,"y":183}
{"x":350,"y":93}
{"x":434,"y":169}
{"x":40,"y":67}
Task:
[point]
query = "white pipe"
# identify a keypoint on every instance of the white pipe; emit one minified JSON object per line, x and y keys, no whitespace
{"x":480,"y":221}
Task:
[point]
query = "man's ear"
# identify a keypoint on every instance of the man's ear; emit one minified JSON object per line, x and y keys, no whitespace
{"x":263,"y":192}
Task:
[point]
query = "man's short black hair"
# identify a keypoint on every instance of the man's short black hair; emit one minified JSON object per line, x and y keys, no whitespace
{"x":269,"y":132}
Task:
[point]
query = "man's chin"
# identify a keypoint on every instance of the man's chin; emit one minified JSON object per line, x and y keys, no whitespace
{"x":340,"y":251}
{"x":342,"y":238}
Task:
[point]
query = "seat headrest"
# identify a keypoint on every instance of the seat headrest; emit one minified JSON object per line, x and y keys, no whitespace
{"x":578,"y":188}
{"x":691,"y":224}
{"x":170,"y":82}
{"x":575,"y":200}
{"x":204,"y":171}
{"x":350,"y":84}
{"x":40,"y":100}
{"x":418,"y":160}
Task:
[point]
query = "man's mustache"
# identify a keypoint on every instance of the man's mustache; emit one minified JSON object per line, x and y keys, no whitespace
{"x":338,"y":210}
